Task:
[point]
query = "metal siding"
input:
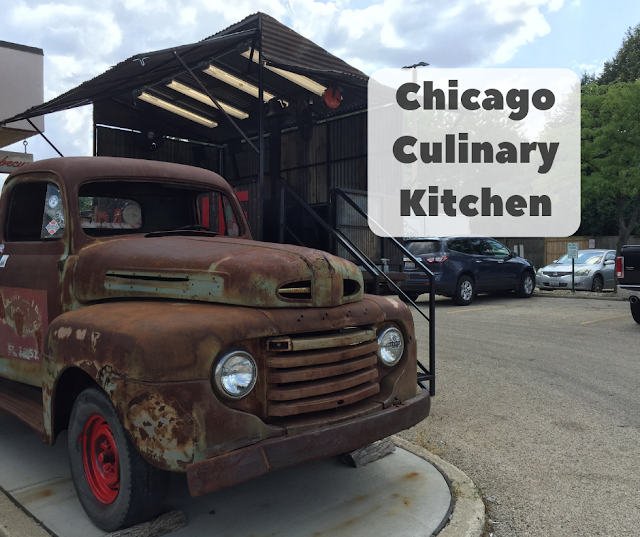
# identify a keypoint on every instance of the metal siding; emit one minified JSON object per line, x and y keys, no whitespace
{"x":355,"y":227}
{"x":118,"y":143}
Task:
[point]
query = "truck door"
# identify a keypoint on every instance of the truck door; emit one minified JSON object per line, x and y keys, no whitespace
{"x":34,"y":243}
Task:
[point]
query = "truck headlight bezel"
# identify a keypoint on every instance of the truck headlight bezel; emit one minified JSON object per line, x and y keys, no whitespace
{"x":231,"y":364}
{"x":390,"y":346}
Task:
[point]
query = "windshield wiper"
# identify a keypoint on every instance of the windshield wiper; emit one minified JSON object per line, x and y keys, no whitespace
{"x":182,"y":232}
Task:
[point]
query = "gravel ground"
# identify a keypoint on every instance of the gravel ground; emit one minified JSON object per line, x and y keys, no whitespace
{"x":537,"y":402}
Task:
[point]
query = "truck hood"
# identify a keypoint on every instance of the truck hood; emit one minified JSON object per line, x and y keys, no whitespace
{"x":215,"y":269}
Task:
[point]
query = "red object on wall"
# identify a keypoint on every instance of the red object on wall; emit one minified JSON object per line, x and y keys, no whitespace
{"x":205,"y":212}
{"x":243,"y":195}
{"x":332,"y":98}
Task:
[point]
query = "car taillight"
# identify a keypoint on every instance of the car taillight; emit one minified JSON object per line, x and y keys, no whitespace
{"x":619,"y":267}
{"x":437,"y":259}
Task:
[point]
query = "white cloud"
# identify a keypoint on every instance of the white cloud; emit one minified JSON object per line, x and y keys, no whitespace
{"x":82,"y":38}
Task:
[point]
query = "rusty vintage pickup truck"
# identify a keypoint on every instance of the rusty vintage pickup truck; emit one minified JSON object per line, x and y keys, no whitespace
{"x":137,"y":313}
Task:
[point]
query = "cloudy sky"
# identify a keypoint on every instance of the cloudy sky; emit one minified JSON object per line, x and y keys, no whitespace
{"x":83,"y":38}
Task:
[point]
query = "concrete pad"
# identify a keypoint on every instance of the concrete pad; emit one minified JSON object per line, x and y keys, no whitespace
{"x":399,"y":495}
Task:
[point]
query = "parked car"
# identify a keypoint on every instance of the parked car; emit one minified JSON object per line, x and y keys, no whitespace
{"x":594,"y":271}
{"x":465,"y":266}
{"x":628,"y":274}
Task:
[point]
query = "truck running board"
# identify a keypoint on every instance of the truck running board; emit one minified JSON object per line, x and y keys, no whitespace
{"x":24,"y":402}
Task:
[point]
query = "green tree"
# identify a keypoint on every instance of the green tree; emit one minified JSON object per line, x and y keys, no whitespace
{"x":625,"y":66}
{"x":611,"y":149}
{"x":587,"y":78}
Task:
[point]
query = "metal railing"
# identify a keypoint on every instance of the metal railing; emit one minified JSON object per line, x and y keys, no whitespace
{"x":424,"y":374}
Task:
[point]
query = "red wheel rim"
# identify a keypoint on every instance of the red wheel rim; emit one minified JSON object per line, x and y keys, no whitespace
{"x":100,"y":455}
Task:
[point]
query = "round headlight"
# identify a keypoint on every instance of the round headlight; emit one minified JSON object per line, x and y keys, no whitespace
{"x":390,"y":346}
{"x":235,"y":374}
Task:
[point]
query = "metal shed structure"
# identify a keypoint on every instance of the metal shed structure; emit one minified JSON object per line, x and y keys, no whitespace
{"x":199,"y":104}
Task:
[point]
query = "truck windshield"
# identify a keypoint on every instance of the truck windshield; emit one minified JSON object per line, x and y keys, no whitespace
{"x":123,"y":207}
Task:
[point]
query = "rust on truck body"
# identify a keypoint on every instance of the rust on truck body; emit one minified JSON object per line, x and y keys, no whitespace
{"x":146,"y":316}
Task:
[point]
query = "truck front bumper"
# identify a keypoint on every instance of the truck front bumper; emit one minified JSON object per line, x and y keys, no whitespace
{"x":274,"y":454}
{"x":625,"y":292}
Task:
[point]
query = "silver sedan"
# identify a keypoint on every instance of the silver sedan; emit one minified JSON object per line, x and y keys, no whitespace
{"x":594,"y":271}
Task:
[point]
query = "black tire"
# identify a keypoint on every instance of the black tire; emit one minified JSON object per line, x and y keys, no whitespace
{"x":527,"y":285}
{"x":412,"y":295}
{"x":465,"y":290}
{"x":141,"y":488}
{"x":598,"y":284}
{"x":635,"y":312}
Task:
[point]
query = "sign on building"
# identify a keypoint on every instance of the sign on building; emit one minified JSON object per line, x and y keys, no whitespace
{"x":11,"y":161}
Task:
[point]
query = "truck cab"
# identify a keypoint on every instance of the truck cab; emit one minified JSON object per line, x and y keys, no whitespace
{"x":137,"y":313}
{"x":628,"y":274}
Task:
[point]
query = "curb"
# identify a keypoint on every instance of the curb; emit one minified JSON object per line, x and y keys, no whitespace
{"x":15,"y":521}
{"x":550,"y":294}
{"x":467,"y":519}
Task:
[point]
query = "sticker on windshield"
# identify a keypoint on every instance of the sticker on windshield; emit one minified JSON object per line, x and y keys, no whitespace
{"x":52,"y":227}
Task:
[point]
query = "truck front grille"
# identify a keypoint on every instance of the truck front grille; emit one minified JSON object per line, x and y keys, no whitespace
{"x":309,"y":374}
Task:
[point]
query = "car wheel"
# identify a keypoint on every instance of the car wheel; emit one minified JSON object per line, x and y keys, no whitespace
{"x":115,"y":485}
{"x":412,"y":296}
{"x":464,"y":291}
{"x":527,"y":285}
{"x":635,"y":312}
{"x":598,"y":284}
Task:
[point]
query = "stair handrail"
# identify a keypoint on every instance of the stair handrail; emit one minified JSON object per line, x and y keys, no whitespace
{"x":430,"y":373}
{"x":427,"y":374}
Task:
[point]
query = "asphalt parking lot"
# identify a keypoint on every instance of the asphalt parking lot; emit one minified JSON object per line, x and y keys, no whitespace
{"x":537,"y":401}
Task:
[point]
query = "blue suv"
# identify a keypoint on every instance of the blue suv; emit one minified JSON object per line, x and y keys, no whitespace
{"x":465,"y":266}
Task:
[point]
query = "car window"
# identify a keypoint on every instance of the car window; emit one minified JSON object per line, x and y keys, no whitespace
{"x":495,"y":249}
{"x":109,"y":213}
{"x":117,"y":207}
{"x":36,"y":212}
{"x":585,"y":257}
{"x":477,"y":246}
{"x":459,"y":245}
{"x":423,"y":247}
{"x":216,"y":214}
{"x":610,"y":256}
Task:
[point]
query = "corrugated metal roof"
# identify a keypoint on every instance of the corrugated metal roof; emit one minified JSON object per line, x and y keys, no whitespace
{"x":282,"y":47}
{"x":133,"y":73}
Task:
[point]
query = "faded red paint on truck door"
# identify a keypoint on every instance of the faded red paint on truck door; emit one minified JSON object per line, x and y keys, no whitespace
{"x":29,"y":281}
